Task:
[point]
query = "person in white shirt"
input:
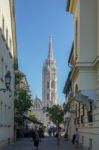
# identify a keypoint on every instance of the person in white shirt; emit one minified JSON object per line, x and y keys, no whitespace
{"x":77,"y":137}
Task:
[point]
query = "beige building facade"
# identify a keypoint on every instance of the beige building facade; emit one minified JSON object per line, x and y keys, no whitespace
{"x":8,"y":62}
{"x":82,"y":85}
{"x":37,"y":109}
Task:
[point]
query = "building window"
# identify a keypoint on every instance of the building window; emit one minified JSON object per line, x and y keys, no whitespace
{"x":90,"y":115}
{"x":6,"y":68}
{"x":75,"y":121}
{"x":90,"y":118}
{"x":83,"y":110}
{"x":47,"y":85}
{"x":82,"y":119}
{"x":76,"y":110}
{"x":90,"y":143}
{"x":83,"y":114}
{"x":79,"y":110}
{"x":78,"y":121}
{"x":76,"y":89}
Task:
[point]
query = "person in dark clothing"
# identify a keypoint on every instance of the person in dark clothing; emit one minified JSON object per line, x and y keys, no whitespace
{"x":35,"y":137}
{"x":58,"y":135}
{"x":41,"y":132}
{"x":73,"y":139}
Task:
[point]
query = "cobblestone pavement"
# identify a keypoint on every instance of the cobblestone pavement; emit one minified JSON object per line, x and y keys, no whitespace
{"x":48,"y":143}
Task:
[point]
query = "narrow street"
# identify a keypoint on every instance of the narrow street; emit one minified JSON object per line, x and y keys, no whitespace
{"x":48,"y":143}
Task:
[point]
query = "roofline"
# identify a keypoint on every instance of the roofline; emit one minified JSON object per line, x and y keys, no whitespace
{"x":68,"y":5}
{"x":71,"y":52}
{"x":13,"y":26}
{"x":67,"y":83}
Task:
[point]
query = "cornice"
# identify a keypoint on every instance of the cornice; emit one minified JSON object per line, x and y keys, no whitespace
{"x":96,"y":62}
{"x":71,"y":5}
{"x":81,"y":66}
{"x":93,"y":64}
{"x":13,"y":26}
{"x":68,"y":5}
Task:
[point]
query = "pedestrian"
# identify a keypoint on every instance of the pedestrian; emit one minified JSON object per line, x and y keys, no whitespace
{"x":49,"y":131}
{"x":73,"y":139}
{"x":35,"y":137}
{"x":77,"y":137}
{"x":53,"y":131}
{"x":58,"y":135}
{"x":41,"y":132}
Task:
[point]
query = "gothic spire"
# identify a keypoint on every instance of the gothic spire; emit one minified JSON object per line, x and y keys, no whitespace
{"x":50,"y":50}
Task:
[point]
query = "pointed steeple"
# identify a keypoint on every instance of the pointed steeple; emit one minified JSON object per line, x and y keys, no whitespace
{"x":50,"y":50}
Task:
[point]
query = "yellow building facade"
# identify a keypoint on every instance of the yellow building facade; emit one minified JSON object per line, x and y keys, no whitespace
{"x":82,"y":85}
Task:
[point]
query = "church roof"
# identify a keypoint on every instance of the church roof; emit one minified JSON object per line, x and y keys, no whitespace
{"x":50,"y":61}
{"x":37,"y":103}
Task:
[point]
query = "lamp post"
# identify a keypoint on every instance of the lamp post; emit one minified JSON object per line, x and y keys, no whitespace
{"x":7,"y":82}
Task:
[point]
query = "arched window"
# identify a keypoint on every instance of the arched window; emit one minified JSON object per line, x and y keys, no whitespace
{"x":47,"y":84}
{"x":53,"y":84}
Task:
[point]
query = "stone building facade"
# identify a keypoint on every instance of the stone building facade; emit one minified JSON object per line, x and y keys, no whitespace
{"x":82,"y":85}
{"x":8,"y":62}
{"x":37,"y":109}
{"x":49,"y":79}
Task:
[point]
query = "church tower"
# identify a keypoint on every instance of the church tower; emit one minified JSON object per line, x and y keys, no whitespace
{"x":49,"y":79}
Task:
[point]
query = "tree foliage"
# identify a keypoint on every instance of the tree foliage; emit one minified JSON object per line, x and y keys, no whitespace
{"x":22,"y":99}
{"x":55,"y":114}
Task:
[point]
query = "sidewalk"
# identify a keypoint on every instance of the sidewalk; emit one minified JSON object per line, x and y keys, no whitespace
{"x":48,"y":143}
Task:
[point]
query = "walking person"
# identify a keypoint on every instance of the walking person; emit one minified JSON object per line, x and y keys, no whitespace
{"x":73,"y":138}
{"x":77,"y":137}
{"x":58,"y":135}
{"x":35,"y":137}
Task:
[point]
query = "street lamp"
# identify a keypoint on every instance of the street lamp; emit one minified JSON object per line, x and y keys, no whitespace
{"x":7,"y":82}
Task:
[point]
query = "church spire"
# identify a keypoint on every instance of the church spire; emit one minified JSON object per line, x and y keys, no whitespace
{"x":50,"y":50}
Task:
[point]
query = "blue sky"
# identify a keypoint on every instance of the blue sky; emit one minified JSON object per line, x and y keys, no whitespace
{"x":35,"y":20}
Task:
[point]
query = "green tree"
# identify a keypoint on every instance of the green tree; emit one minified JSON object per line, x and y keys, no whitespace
{"x":22,"y":98}
{"x":55,"y":114}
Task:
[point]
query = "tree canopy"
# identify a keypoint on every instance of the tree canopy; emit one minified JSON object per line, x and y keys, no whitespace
{"x":55,"y":114}
{"x":22,"y":98}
